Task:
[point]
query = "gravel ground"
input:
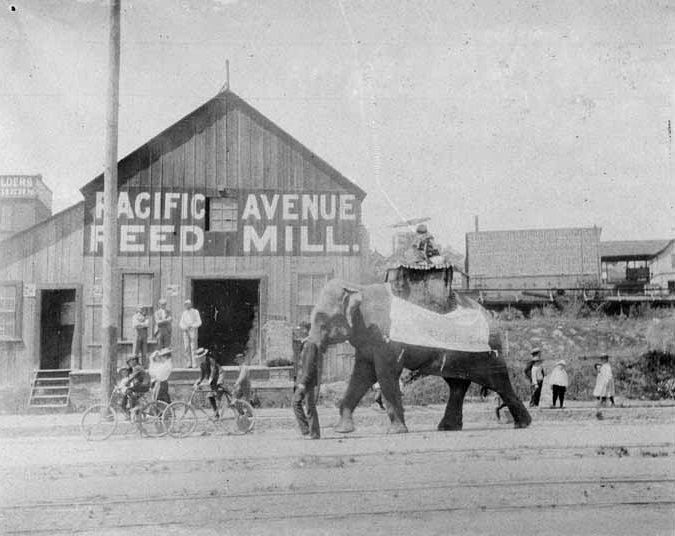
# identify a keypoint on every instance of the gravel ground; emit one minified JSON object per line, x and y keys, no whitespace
{"x":571,"y":476}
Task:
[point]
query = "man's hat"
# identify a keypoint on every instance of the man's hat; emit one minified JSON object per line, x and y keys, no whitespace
{"x":201,"y":352}
{"x":421,"y":228}
{"x":535,"y":351}
{"x":164,"y":352}
{"x":561,"y":362}
{"x":187,"y":301}
{"x":162,"y":301}
{"x":240,"y":357}
{"x":132,"y":357}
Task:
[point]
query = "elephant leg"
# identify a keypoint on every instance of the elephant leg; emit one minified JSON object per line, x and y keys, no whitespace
{"x":388,"y":372}
{"x":497,"y":379}
{"x":452,"y":420}
{"x":521,"y":417}
{"x":362,"y":379}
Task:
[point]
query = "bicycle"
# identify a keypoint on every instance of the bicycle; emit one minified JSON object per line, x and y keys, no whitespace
{"x":181,"y":417}
{"x":100,"y":421}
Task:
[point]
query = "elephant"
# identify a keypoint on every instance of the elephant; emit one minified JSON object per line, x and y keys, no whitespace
{"x":361,"y":315}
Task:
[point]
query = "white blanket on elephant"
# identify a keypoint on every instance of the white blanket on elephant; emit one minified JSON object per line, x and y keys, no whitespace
{"x":462,"y":330}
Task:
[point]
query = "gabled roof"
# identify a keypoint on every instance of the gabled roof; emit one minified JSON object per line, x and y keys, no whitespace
{"x":625,"y":250}
{"x":230,"y":99}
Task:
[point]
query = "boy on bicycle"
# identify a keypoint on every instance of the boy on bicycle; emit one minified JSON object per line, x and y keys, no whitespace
{"x":210,"y":371}
{"x":135,"y":384}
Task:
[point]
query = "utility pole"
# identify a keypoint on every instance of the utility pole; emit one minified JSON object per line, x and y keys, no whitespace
{"x":110,"y":316}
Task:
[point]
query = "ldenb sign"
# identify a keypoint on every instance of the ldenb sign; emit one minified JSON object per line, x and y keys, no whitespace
{"x":262,"y":222}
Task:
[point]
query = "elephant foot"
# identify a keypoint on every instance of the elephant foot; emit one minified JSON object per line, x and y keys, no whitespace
{"x":345,"y":426}
{"x":523,"y":421}
{"x":397,"y":428}
{"x":445,"y":427}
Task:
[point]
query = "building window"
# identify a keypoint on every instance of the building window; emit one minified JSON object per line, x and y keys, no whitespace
{"x":136,"y":292}
{"x":10,"y":300}
{"x":672,"y":260}
{"x":309,"y":288}
{"x":222,"y":214}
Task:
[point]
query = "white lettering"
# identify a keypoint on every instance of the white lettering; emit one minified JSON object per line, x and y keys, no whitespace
{"x":305,"y":246}
{"x":327,"y":214}
{"x":95,"y":237}
{"x":184,"y":206}
{"x":288,"y":239}
{"x":270,"y":209}
{"x":100,"y":205}
{"x":124,"y":206}
{"x":269,"y":237}
{"x":171,"y":203}
{"x":347,"y":207}
{"x":251,"y":208}
{"x":157,"y":206}
{"x":331,"y":246}
{"x":310,"y":203}
{"x":142,"y":212}
{"x":196,"y":244}
{"x":158,"y":235}
{"x":289,"y":205}
{"x":198,"y":212}
{"x":128,"y":235}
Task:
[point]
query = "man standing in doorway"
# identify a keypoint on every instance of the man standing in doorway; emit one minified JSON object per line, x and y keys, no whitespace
{"x":163,"y":325}
{"x":190,"y":321}
{"x":140,"y":322}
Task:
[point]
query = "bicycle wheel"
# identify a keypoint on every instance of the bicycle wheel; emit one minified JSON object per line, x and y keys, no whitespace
{"x":151,"y":419}
{"x":180,"y":419}
{"x":98,"y":422}
{"x":244,"y":418}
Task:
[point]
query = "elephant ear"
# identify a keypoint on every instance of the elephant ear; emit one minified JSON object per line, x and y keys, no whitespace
{"x":350,"y":302}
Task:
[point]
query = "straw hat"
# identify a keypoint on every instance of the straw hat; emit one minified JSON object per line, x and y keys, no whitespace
{"x":201,"y":353}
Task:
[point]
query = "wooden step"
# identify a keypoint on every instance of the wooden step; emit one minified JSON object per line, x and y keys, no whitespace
{"x":52,"y":379}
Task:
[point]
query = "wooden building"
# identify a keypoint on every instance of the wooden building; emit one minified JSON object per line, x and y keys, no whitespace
{"x":24,"y":201}
{"x":533,"y":259}
{"x":224,"y":208}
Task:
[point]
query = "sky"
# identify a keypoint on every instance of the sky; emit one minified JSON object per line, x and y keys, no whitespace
{"x":532,"y":114}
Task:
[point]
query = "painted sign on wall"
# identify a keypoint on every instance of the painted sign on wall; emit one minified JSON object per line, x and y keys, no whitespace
{"x":239,"y":223}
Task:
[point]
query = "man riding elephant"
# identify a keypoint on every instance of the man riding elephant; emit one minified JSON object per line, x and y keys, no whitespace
{"x":373,"y":319}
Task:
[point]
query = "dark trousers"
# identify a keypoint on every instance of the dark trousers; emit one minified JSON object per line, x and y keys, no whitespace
{"x":163,"y":338}
{"x":141,"y":346}
{"x":536,"y":395}
{"x":558,"y":394}
{"x":309,"y":423}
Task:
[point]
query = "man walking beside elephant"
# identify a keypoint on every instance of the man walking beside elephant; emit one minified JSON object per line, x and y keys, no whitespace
{"x":307,"y":390}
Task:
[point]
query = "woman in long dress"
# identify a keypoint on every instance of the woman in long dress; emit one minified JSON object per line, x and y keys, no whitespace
{"x":160,"y":369}
{"x":604,"y":383}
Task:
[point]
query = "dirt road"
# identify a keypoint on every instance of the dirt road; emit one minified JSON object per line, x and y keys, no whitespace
{"x":554,"y":478}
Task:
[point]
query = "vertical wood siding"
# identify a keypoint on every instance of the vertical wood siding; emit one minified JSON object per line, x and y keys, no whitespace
{"x":223,"y":144}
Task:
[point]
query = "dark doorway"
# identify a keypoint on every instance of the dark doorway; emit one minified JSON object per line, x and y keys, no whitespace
{"x":57,"y":326}
{"x":229,"y":310}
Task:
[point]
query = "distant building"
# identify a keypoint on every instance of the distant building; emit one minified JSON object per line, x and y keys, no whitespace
{"x":536,"y":259}
{"x":632,"y":264}
{"x":25,"y":200}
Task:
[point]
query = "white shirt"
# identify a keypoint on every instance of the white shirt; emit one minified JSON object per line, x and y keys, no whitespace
{"x":559,"y":377}
{"x":537,"y":374}
{"x":190,"y":319}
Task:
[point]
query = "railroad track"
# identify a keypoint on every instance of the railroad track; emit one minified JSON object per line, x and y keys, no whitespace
{"x":334,"y":504}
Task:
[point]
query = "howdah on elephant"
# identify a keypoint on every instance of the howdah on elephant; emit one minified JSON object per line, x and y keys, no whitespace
{"x":413,"y":321}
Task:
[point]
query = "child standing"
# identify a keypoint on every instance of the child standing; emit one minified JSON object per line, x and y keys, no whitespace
{"x":559,"y":382}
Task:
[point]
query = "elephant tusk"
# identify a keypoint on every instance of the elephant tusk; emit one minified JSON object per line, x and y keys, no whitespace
{"x":400,"y":356}
{"x":445,"y":356}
